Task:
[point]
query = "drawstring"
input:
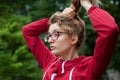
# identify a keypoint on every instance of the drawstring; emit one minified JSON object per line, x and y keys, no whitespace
{"x":63,"y":66}
{"x":70,"y":77}
{"x":53,"y":75}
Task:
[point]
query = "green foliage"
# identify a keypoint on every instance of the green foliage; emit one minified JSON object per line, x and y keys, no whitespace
{"x":15,"y":58}
{"x":16,"y":61}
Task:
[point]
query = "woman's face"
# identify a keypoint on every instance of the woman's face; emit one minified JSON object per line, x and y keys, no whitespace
{"x":60,"y":41}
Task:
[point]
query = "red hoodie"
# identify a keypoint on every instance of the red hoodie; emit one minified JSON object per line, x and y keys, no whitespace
{"x":82,"y":68}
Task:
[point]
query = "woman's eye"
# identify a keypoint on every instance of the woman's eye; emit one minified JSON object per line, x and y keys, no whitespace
{"x":55,"y":34}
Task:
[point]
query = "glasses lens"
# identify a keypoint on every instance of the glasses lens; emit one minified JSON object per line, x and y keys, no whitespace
{"x":46,"y":38}
{"x":55,"y":35}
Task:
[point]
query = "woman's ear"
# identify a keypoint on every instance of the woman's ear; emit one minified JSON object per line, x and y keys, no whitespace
{"x":74,"y":39}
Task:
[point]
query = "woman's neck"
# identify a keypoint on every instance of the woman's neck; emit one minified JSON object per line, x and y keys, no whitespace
{"x":70,"y":55}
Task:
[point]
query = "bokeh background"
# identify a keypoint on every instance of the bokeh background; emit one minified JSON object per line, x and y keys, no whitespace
{"x":17,"y":62}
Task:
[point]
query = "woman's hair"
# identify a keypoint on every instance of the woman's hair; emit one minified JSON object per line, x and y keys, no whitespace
{"x":77,"y":5}
{"x":72,"y":25}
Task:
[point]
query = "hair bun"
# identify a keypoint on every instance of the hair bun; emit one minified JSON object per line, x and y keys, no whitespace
{"x":76,"y":4}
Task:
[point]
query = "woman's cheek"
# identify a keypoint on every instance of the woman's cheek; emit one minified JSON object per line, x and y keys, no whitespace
{"x":62,"y":46}
{"x":58,"y":50}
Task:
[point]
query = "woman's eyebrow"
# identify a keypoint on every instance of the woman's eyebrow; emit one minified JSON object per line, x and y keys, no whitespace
{"x":54,"y":31}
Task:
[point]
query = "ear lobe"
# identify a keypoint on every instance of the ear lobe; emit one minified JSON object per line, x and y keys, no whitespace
{"x":74,"y":39}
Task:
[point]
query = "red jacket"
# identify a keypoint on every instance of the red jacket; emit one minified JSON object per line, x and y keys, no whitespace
{"x":82,"y":68}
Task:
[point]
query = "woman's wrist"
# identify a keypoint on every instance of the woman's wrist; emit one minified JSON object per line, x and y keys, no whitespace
{"x":86,"y":4}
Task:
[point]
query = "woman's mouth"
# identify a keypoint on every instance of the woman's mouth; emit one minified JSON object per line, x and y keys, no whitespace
{"x":52,"y":47}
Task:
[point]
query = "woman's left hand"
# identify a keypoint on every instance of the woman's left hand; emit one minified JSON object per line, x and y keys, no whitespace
{"x":69,"y":12}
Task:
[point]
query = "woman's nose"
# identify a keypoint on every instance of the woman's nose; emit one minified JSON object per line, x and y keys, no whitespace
{"x":50,"y":40}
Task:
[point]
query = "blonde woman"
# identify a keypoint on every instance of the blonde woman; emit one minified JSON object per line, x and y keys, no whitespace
{"x":65,"y":36}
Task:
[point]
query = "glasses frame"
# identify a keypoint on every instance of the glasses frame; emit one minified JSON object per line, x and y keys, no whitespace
{"x":54,"y":36}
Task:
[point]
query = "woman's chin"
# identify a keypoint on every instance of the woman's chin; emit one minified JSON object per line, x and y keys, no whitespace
{"x":54,"y":52}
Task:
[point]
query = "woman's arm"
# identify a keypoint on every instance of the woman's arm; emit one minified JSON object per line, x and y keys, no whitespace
{"x":107,"y":30}
{"x":31,"y":34}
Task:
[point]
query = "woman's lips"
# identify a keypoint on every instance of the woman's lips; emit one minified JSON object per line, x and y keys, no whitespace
{"x":52,"y":47}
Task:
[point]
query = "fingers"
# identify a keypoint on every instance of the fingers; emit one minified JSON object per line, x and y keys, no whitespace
{"x":83,"y":2}
{"x":69,"y":12}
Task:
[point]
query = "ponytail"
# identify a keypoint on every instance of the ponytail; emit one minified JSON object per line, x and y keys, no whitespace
{"x":76,"y":5}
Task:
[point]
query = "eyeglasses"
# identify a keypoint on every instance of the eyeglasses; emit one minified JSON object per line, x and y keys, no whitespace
{"x":54,"y":36}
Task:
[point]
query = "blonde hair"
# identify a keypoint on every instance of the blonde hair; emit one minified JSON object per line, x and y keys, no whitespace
{"x":73,"y":26}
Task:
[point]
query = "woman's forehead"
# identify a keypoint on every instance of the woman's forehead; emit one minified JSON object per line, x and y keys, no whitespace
{"x":54,"y":27}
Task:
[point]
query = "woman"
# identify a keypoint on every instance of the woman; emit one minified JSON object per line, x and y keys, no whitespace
{"x":65,"y":35}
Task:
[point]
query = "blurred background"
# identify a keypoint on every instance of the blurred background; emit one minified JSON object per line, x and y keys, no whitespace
{"x":16,"y":61}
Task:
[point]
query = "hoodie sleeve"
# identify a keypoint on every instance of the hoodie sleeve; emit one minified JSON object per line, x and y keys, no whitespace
{"x":31,"y":34}
{"x":107,"y":30}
